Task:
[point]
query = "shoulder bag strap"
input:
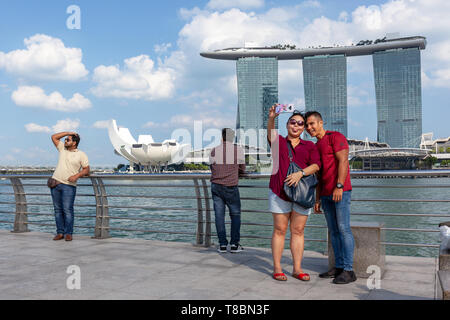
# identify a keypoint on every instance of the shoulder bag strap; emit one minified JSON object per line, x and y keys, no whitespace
{"x":290,"y":150}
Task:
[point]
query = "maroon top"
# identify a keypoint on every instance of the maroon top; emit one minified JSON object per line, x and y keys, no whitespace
{"x":227,"y":162}
{"x":331,"y":143}
{"x":304,"y":154}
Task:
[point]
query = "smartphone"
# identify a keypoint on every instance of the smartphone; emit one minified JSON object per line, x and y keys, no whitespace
{"x":284,"y":108}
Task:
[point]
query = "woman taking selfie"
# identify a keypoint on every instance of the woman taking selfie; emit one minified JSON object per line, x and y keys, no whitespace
{"x":284,"y":211}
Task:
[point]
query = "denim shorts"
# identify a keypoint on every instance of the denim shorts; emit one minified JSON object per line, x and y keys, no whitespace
{"x":278,"y":205}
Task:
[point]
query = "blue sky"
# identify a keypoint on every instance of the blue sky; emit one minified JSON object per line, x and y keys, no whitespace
{"x":138,"y":62}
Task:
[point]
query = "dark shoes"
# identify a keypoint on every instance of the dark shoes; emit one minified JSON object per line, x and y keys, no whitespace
{"x":61,"y":236}
{"x":340,"y":276}
{"x":58,"y":237}
{"x":333,"y":273}
{"x":345,"y":277}
{"x":234,"y":248}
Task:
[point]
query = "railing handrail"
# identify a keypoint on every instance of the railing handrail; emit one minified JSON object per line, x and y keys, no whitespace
{"x":190,"y":176}
{"x":203,"y":200}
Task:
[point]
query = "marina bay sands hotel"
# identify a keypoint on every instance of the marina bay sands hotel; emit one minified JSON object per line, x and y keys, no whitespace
{"x":397,"y":71}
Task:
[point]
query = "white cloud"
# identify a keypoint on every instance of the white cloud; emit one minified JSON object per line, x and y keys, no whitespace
{"x":101,"y":124}
{"x":207,"y":29}
{"x":204,"y":100}
{"x":33,"y":127}
{"x":4,"y":88}
{"x":60,"y":126}
{"x":358,"y":96}
{"x":44,"y":58}
{"x":151,"y":124}
{"x":162,"y":48}
{"x":66,"y":125}
{"x":211,"y":120}
{"x":210,"y":31}
{"x":138,"y":79}
{"x":353,"y":123}
{"x":33,"y":96}
{"x":208,"y":120}
{"x":226,"y":4}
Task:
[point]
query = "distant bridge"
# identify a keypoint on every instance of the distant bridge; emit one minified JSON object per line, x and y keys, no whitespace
{"x":390,"y":153}
{"x":389,"y":158}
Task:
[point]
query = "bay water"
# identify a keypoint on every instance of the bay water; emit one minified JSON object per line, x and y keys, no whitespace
{"x":121,"y":196}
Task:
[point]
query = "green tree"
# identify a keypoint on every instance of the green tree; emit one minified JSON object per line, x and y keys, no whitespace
{"x":356,"y":164}
{"x":430,"y":161}
{"x":120,"y":166}
{"x":194,"y":166}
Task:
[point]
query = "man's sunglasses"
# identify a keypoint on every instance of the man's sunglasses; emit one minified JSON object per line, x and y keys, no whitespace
{"x":300,"y":123}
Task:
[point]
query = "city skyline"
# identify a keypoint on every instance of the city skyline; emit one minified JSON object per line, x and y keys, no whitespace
{"x":397,"y":74}
{"x":139,"y":63}
{"x":325,"y":86}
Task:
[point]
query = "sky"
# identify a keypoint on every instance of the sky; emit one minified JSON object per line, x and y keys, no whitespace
{"x":74,"y":65}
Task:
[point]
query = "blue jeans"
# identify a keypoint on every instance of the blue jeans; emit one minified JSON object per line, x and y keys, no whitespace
{"x":227,"y":196}
{"x":337,"y":215}
{"x":63,"y":196}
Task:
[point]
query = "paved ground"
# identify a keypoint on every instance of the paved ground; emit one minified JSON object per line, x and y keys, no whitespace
{"x":32,"y":266}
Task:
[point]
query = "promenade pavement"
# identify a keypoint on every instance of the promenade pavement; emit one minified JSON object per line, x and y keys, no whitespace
{"x":33,"y":266}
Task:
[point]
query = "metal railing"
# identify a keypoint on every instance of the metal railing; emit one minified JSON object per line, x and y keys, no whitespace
{"x":202,"y":208}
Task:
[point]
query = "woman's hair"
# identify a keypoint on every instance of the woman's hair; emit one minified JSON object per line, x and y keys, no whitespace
{"x":297,"y":113}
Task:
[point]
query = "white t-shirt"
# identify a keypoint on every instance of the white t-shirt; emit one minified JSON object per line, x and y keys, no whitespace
{"x":69,"y":164}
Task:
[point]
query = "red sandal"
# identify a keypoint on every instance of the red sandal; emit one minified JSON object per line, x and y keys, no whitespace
{"x":279,"y":276}
{"x":301,"y":276}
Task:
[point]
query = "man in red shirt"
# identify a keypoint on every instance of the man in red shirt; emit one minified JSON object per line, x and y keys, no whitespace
{"x":334,"y":194}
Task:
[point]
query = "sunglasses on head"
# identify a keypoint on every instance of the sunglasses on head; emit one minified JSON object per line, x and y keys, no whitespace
{"x":300,"y":123}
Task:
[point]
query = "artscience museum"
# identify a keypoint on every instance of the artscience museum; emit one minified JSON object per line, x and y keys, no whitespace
{"x":151,"y":155}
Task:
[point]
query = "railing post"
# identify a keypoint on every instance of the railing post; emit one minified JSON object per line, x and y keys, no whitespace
{"x":101,"y":216}
{"x":200,"y":224}
{"x":208,"y":214}
{"x":21,"y":219}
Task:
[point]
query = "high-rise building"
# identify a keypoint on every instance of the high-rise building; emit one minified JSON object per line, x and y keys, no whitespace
{"x":399,"y":97}
{"x":325,"y":85}
{"x":257,"y":80}
{"x":396,"y":64}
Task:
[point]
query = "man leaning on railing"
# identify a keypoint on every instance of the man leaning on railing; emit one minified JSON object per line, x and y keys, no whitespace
{"x":63,"y":184}
{"x":227,"y":163}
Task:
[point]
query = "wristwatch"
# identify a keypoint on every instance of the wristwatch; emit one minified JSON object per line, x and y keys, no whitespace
{"x":339,"y":185}
{"x":303,"y":172}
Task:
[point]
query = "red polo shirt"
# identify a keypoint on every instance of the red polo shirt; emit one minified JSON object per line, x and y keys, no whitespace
{"x":331,"y":143}
{"x":304,"y":154}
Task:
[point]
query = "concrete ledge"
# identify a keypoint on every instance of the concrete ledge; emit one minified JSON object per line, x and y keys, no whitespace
{"x":444,"y":285}
{"x":444,"y":259}
{"x":368,"y":248}
{"x":444,"y":253}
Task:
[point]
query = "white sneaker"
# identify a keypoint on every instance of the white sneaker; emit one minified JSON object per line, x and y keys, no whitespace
{"x":222,"y":249}
{"x":235,"y":248}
